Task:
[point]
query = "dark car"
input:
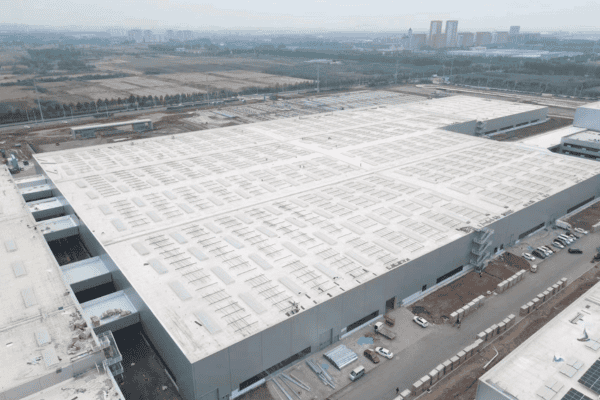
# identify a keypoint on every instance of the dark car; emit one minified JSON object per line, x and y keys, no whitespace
{"x":371,"y":355}
{"x":575,"y":251}
{"x":538,"y":254}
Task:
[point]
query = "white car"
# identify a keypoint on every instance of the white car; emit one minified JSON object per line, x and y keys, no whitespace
{"x":384,"y":352}
{"x":582,"y":231}
{"x":558,"y":244}
{"x":528,"y":256}
{"x":422,"y":322}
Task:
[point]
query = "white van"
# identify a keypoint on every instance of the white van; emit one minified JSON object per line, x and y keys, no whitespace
{"x":357,"y":373}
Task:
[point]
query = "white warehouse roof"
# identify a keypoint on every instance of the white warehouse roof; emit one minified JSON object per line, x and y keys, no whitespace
{"x":229,"y":226}
{"x":552,"y":361}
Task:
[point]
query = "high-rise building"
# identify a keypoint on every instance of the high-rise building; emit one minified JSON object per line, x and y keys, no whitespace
{"x":468,"y":39}
{"x":434,"y":28}
{"x":418,"y":40}
{"x":501,"y":37}
{"x":451,"y":33}
{"x":483,"y":38}
{"x":148,"y":36}
{"x":438,"y":41}
{"x":514,"y":30}
{"x":169,"y":35}
{"x":135,"y":35}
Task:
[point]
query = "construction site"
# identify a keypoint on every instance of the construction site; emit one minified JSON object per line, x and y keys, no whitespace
{"x":234,"y":257}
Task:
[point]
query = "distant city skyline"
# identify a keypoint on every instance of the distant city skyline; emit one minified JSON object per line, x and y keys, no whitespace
{"x":298,"y":17}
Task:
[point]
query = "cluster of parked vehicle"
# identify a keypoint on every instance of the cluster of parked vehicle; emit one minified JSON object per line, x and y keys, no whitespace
{"x":560,"y":242}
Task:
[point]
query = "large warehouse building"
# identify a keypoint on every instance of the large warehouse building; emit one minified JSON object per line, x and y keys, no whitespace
{"x":242,"y":249}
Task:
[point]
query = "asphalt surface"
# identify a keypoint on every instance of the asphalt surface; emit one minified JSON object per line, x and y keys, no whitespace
{"x":444,"y":341}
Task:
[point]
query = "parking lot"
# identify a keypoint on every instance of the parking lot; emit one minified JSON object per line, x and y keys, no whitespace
{"x":416,"y":350}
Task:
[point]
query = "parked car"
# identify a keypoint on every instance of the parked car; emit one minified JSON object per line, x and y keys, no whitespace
{"x":371,"y":355}
{"x":582,"y":231}
{"x":575,"y":251}
{"x":539,"y":254}
{"x":384,"y":352}
{"x":562,"y":241}
{"x":422,"y":322}
{"x":528,"y":256}
{"x":357,"y":373}
{"x":597,"y":257}
{"x":558,"y":244}
{"x":547,"y":249}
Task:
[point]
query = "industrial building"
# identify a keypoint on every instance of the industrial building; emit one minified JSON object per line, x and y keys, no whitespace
{"x":242,"y":249}
{"x":89,"y":131}
{"x":559,"y":361}
{"x":43,"y":348}
{"x":582,"y":139}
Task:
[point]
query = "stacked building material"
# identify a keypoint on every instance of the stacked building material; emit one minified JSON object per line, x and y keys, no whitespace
{"x":543,"y":297}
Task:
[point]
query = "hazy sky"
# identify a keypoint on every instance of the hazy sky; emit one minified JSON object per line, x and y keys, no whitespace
{"x":309,"y":15}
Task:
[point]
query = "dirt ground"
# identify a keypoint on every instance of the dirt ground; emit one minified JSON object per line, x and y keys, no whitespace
{"x":453,"y":296}
{"x":550,"y":125}
{"x":462,"y":385}
{"x":586,"y":218}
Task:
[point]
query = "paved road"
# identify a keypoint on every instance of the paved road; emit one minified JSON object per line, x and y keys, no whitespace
{"x":444,"y":341}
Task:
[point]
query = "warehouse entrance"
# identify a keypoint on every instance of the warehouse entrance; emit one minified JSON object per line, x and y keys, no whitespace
{"x":390,"y":304}
{"x":325,"y":339}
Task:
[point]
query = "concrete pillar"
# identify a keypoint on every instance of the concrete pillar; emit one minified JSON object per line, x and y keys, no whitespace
{"x":501,"y":327}
{"x":536,"y":303}
{"x":462,"y":356}
{"x":481,"y":335}
{"x":461,"y":314}
{"x":440,"y":371}
{"x":564,"y":282}
{"x":406,"y":395}
{"x":467,"y":310}
{"x":433,"y":374}
{"x":555,"y":288}
{"x":488,"y":334}
{"x":417,"y":388}
{"x":524,"y":310}
{"x":468,"y":352}
{"x":426,"y":380}
{"x":455,"y":362}
{"x":453,"y":318}
{"x":447,"y":367}
{"x":481,"y":300}
{"x":494,"y":329}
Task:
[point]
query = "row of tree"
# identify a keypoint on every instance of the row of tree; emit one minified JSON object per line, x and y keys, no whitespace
{"x":53,"y":109}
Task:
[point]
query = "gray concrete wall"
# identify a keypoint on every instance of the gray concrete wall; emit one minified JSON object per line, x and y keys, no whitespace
{"x":515,"y":119}
{"x":587,"y":118}
{"x":486,"y":391}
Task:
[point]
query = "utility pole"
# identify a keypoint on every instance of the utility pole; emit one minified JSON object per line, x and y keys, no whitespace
{"x":318,"y":88}
{"x":39,"y":104}
{"x":396,"y":74}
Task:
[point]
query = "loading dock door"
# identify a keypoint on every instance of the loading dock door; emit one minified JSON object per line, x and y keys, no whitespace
{"x":325,"y":339}
{"x":390,"y":304}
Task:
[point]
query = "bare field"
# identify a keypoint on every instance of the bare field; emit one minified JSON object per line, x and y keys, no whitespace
{"x":177,"y":75}
{"x":156,"y":85}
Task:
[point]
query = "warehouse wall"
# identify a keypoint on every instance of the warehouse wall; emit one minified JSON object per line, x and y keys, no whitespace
{"x":515,"y":119}
{"x":153,"y":329}
{"x":243,"y":360}
{"x":587,"y":117}
{"x":486,"y":391}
